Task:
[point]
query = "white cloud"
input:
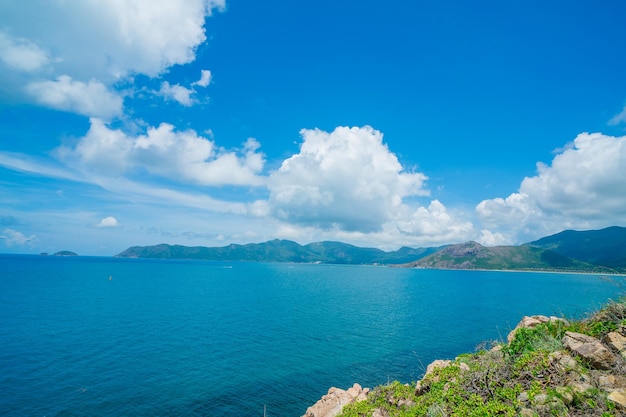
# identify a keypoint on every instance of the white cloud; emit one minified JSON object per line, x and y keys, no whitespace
{"x":584,"y":187}
{"x":23,"y":163}
{"x":177,"y":93}
{"x":109,"y":222}
{"x":177,"y":155}
{"x":96,"y":45}
{"x":345,"y":179}
{"x":109,"y":180}
{"x":114,"y":38}
{"x":92,"y":99}
{"x":618,"y":118}
{"x":489,"y":238}
{"x":205,"y":79}
{"x":21,"y":54}
{"x":13,"y":237}
{"x":181,"y":94}
{"x":435,"y":221}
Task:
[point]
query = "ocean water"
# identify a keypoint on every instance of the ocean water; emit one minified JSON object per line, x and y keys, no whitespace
{"x":110,"y":337}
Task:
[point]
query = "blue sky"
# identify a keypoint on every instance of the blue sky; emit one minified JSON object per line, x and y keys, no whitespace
{"x":209,"y":122}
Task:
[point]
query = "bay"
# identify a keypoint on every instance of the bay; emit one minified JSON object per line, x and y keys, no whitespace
{"x":107,"y":336}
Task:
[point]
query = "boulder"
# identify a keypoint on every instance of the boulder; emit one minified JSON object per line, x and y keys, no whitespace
{"x":436,"y":364}
{"x":617,"y":342}
{"x":421,"y":387}
{"x":379,"y":412}
{"x":590,"y":349}
{"x":331,"y":404}
{"x":619,"y":398}
{"x":566,"y":394}
{"x":563,"y":361}
{"x":532,"y":321}
{"x":612,"y":382}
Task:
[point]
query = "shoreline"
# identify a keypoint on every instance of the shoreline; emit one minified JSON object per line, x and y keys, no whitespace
{"x":540,"y":271}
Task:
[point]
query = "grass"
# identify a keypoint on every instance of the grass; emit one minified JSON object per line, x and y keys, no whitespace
{"x":533,"y":375}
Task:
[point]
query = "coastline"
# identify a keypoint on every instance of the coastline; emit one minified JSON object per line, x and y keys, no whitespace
{"x":547,"y":366}
{"x":540,"y":271}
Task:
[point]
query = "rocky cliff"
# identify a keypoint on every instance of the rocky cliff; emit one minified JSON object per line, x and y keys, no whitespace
{"x":548,"y":366}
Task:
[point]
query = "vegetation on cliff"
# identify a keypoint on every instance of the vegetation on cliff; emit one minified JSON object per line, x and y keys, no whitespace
{"x":605,"y":247}
{"x":549,"y":367}
{"x":591,"y":251}
{"x":472,"y":255}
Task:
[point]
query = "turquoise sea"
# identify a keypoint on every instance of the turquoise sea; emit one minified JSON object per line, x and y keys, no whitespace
{"x":110,"y":337}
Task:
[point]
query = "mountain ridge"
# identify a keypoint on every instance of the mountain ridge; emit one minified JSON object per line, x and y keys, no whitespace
{"x":281,"y":251}
{"x":593,"y":251}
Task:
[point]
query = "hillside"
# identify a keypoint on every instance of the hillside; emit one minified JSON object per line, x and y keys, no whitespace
{"x":594,"y":251}
{"x":281,"y":251}
{"x":605,"y":247}
{"x":472,"y":255}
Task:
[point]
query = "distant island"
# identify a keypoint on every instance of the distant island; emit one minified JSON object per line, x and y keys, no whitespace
{"x":281,"y":251}
{"x":65,"y":253}
{"x":593,"y":251}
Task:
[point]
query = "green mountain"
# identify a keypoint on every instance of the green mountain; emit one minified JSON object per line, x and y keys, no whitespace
{"x":598,"y":251}
{"x":65,"y":253}
{"x":472,"y":255}
{"x":605,"y":247}
{"x":281,"y":251}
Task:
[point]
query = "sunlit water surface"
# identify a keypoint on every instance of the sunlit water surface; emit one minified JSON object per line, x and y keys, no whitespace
{"x":110,"y":337}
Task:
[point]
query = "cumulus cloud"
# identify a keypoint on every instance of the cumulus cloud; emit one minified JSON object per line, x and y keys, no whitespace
{"x":109,"y":222}
{"x":96,"y":45}
{"x":583,"y":187}
{"x":205,"y":79}
{"x":21,"y":54}
{"x":177,"y":93}
{"x":13,"y":237}
{"x":437,"y":222}
{"x":181,"y":94}
{"x":489,"y":238}
{"x":345,"y":179}
{"x":114,"y":38}
{"x":92,"y":99}
{"x":177,"y":155}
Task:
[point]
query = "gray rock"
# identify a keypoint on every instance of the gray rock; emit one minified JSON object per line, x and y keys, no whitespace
{"x":566,"y":394}
{"x":563,"y":361}
{"x":540,"y":399}
{"x":379,"y":412}
{"x":523,"y":397}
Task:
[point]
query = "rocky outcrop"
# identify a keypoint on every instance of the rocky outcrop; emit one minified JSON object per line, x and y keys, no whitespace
{"x":532,"y":321}
{"x":422,"y":386}
{"x":559,"y":372}
{"x":331,"y":404}
{"x":617,"y":342}
{"x":619,"y":398}
{"x":590,"y":350}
